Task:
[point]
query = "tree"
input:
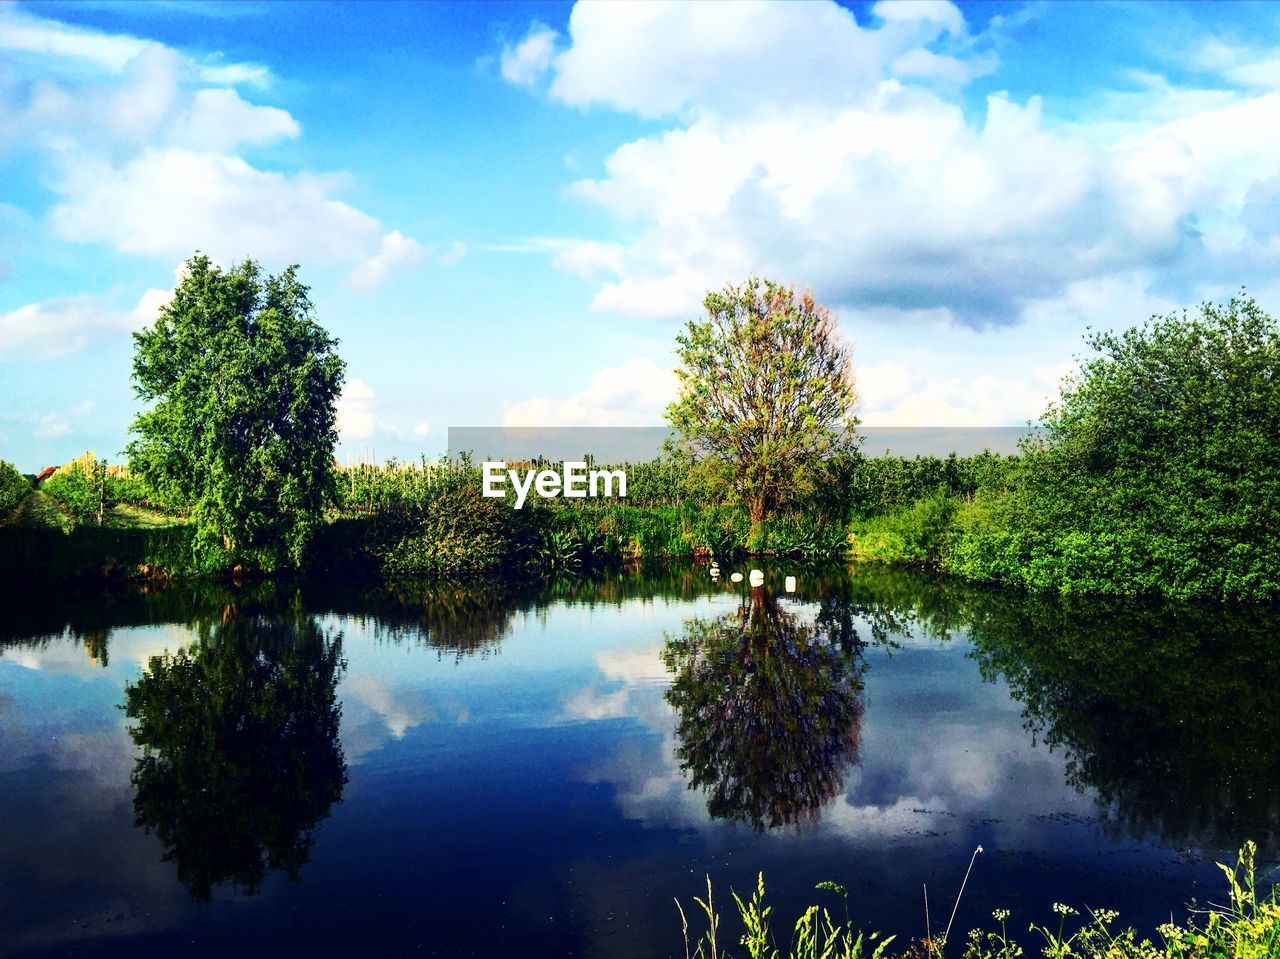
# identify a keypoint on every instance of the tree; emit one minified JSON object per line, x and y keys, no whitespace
{"x":1155,"y":472}
{"x":766,"y":392}
{"x":243,"y":384}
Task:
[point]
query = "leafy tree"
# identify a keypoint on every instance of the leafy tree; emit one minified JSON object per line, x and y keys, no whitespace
{"x":766,"y":392}
{"x":243,"y":384}
{"x":1155,"y":472}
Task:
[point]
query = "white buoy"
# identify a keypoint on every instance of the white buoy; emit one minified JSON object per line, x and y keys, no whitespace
{"x":736,"y":577}
{"x":757,"y":577}
{"x":791,"y":584}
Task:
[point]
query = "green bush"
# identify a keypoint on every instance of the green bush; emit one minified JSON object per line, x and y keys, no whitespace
{"x":455,"y":529}
{"x":13,"y":489}
{"x":917,"y":533}
{"x":1156,"y":472}
{"x":81,"y":487}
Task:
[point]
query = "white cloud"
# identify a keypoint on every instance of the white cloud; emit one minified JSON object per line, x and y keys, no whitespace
{"x":60,"y":327}
{"x":421,"y":429}
{"x":143,"y":147}
{"x":220,"y":119}
{"x":941,"y":13}
{"x":453,"y":256}
{"x":525,"y":63}
{"x":50,"y":425}
{"x":355,"y":419}
{"x":168,"y":202}
{"x":29,"y":34}
{"x":633,"y":393}
{"x":856,"y":170}
{"x":396,"y":250}
{"x":586,"y":258}
{"x":1240,"y":63}
{"x":664,"y":58}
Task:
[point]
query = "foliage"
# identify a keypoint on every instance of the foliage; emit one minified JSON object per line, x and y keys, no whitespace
{"x":1247,"y":928}
{"x":453,"y":529}
{"x":240,"y":758}
{"x":908,"y":534}
{"x":1154,"y":473}
{"x":370,"y":488}
{"x":14,"y":488}
{"x":82,"y":488}
{"x":869,"y":486}
{"x":243,"y":384}
{"x":766,"y":392}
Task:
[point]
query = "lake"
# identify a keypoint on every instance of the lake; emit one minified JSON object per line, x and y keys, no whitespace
{"x":540,"y":769}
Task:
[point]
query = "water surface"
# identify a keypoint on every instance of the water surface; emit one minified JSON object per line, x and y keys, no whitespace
{"x":539,"y":770}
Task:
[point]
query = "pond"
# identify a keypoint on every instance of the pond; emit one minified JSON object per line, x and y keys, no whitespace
{"x":541,"y":769}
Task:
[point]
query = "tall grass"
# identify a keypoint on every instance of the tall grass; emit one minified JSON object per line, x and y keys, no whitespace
{"x":1246,"y":927}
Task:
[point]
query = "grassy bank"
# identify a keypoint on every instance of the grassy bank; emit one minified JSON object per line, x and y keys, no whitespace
{"x":1246,"y":927}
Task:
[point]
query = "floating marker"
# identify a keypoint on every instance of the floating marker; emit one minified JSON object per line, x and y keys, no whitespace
{"x":791,"y":584}
{"x":736,"y":577}
{"x":757,"y":577}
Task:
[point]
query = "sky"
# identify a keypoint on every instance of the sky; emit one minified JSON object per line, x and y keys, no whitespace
{"x":505,"y":213}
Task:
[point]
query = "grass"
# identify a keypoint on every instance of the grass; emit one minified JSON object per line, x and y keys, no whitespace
{"x":40,"y":511}
{"x":130,"y":516}
{"x":1247,"y":927}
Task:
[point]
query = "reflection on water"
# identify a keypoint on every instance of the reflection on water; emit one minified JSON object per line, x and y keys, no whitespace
{"x":240,"y":758}
{"x":573,"y":752}
{"x":1169,"y":714}
{"x":767,"y":711}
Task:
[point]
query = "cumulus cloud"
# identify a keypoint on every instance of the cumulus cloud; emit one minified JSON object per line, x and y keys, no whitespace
{"x":60,"y":327}
{"x":395,"y":250}
{"x":525,"y":63}
{"x":145,"y":148}
{"x":167,"y":202}
{"x":633,"y":393}
{"x":355,"y":419}
{"x":857,"y":170}
{"x":666,"y":58}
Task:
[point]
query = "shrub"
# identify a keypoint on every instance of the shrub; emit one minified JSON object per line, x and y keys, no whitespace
{"x":81,"y":487}
{"x":13,"y":489}
{"x":910,"y":534}
{"x":455,"y":530}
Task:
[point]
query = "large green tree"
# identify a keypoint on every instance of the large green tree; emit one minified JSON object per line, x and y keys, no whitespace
{"x":242,"y":384}
{"x":766,"y":392}
{"x":1157,"y":471}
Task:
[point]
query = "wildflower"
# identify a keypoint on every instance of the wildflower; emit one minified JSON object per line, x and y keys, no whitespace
{"x":1062,"y":909}
{"x":1000,"y":915}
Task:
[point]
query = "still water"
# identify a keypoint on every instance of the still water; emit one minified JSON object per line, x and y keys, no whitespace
{"x":540,"y":770}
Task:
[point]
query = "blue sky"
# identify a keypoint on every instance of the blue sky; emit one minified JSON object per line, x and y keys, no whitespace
{"x":506,"y":211}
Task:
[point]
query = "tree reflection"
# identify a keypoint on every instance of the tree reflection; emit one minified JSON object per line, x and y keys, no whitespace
{"x":768,"y":710}
{"x":240,"y":753}
{"x":1168,"y":712}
